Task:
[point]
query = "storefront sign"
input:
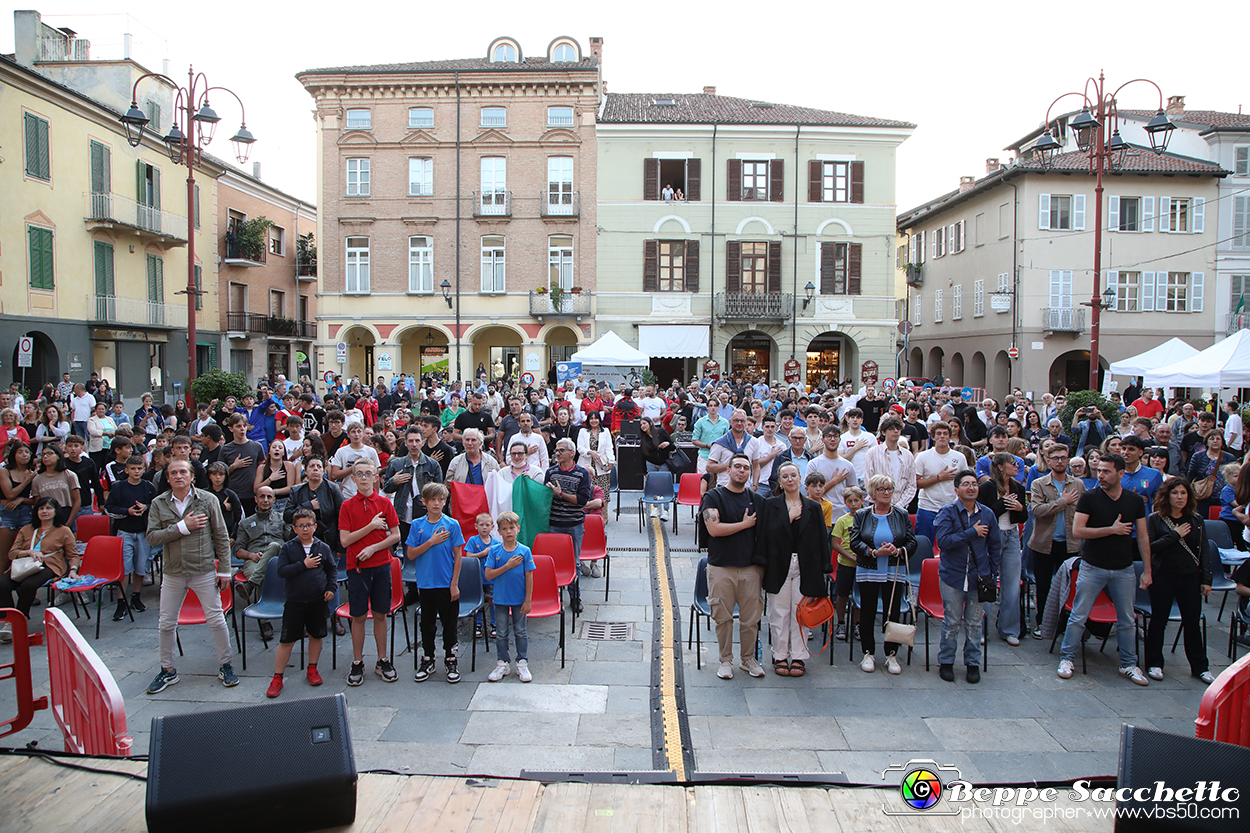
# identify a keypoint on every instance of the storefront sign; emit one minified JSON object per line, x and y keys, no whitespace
{"x":128,"y":335}
{"x":868,"y":373}
{"x":1000,"y":303}
{"x":711,"y":367}
{"x":385,"y":362}
{"x":792,"y":371}
{"x":532,"y":362}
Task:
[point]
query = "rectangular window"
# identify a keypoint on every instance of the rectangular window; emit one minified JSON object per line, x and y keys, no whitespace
{"x":841,"y":266}
{"x":421,"y":265}
{"x":494,"y":117}
{"x":156,"y":289}
{"x":1241,"y":160}
{"x":277,"y":303}
{"x":978,"y":298}
{"x":238,"y":297}
{"x":1126,"y":214}
{"x":493,"y":263}
{"x":102,"y":183}
{"x":1239,"y":286}
{"x":152,"y":109}
{"x":359,"y":120}
{"x":675,"y":179}
{"x":1061,"y":289}
{"x":277,"y":241}
{"x":1004,"y":282}
{"x":560,"y":261}
{"x":104,"y":270}
{"x":916,"y":309}
{"x":559,"y":183}
{"x":420,"y":116}
{"x":38,"y":160}
{"x":957,"y":303}
{"x":937,"y":306}
{"x":1060,"y":212}
{"x":939,"y":241}
{"x":357,"y":265}
{"x":672,"y":265}
{"x":956,"y":233}
{"x":1179,"y":215}
{"x":1128,"y":292}
{"x":559,"y":116}
{"x":754,"y":266}
{"x":41,"y":258}
{"x":1004,"y":221}
{"x":1241,"y":222}
{"x":754,"y":180}
{"x":357,"y":177}
{"x":978,"y":230}
{"x":1177,"y":299}
{"x":836,"y":182}
{"x":494,"y":185}
{"x":420,"y":177}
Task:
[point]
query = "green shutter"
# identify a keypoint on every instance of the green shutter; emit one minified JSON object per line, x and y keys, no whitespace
{"x":103,"y":268}
{"x":101,"y":169}
{"x":197,"y":205}
{"x":199,"y":287}
{"x":141,"y":177}
{"x":41,"y":264}
{"x":37,"y":154}
{"x":156,"y":187}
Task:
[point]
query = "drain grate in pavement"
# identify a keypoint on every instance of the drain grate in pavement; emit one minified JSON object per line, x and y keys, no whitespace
{"x":615,"y":631}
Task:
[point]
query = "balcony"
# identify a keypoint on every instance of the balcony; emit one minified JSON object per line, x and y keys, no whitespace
{"x":252,"y":323}
{"x":560,"y":204}
{"x":1063,"y":320}
{"x":306,"y":271}
{"x":570,"y":303}
{"x":754,"y":306}
{"x":109,"y":309}
{"x":155,"y":225}
{"x":492,"y":203}
{"x":914,"y":276}
{"x":239,"y":253}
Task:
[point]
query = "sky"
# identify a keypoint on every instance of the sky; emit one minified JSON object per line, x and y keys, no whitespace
{"x":973,"y":76}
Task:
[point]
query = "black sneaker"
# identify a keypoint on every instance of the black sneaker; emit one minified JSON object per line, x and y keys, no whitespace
{"x":386,"y":671}
{"x":356,"y":675}
{"x":576,"y":604}
{"x":425,"y":670}
{"x":120,"y":613}
{"x":840,"y":633}
{"x":974,"y":674}
{"x":164,"y":679}
{"x":453,"y":672}
{"x":266,"y":630}
{"x":136,"y":604}
{"x":947,"y":672}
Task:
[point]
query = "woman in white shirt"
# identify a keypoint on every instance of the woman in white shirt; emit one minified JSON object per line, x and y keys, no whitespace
{"x":100,"y":431}
{"x":594,"y":450}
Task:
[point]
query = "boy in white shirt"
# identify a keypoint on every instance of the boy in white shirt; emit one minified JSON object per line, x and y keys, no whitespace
{"x":341,"y":463}
{"x":855,"y":443}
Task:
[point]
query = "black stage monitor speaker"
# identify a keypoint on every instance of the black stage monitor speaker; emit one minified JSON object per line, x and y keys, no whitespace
{"x":1179,"y":782}
{"x":629,"y":429}
{"x":279,"y":766}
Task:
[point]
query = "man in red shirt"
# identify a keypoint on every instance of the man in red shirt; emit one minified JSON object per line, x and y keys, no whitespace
{"x":368,"y":528}
{"x":592,"y":402}
{"x":1148,"y":406}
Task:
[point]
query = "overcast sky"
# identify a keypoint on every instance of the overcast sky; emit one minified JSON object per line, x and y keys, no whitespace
{"x":973,"y":76}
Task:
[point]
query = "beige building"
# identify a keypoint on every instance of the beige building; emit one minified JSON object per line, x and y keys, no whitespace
{"x":1006,"y":261}
{"x":457,"y":212}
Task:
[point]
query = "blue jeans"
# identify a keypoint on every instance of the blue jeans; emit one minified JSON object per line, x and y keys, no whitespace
{"x":1009,"y":584}
{"x":1121,"y":587}
{"x":136,"y":553}
{"x":960,"y":611}
{"x":924,"y":523}
{"x":80,"y":429}
{"x":511,"y":622}
{"x":576,"y":532}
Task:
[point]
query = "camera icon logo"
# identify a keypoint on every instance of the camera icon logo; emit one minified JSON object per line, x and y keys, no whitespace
{"x":921,"y":787}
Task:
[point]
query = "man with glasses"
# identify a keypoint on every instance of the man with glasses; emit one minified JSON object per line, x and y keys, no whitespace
{"x":571,"y":485}
{"x":368,"y":528}
{"x":797,"y":453}
{"x":735,"y":441}
{"x":1053,"y":500}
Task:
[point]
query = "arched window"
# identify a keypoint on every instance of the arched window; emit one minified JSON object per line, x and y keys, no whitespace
{"x":504,"y":53}
{"x":564,"y":52}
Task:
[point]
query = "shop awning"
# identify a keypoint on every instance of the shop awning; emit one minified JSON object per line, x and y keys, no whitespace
{"x":673,"y":341}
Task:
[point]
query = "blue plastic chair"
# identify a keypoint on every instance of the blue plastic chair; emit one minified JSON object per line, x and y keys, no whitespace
{"x":1220,"y":582}
{"x":658,"y":490}
{"x":472,"y":599}
{"x":1143,"y":608}
{"x":699,"y":606}
{"x":272,"y":600}
{"x":924,"y":550}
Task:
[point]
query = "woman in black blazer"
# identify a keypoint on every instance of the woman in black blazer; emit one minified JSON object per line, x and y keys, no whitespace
{"x":883,"y":541}
{"x":794,"y":547}
{"x":1180,"y":572}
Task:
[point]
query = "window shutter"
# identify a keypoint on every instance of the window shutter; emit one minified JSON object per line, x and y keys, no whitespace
{"x":199,"y":287}
{"x":692,"y":265}
{"x":857,"y":182}
{"x":1113,"y":280}
{"x":140,"y":181}
{"x":103,"y":268}
{"x":774,"y":266}
{"x":920,"y":249}
{"x":1056,"y":288}
{"x":41,"y":261}
{"x":950,"y":239}
{"x":854,"y":268}
{"x":1197,"y":288}
{"x":1165,"y":211}
{"x":828,"y":265}
{"x":1043,"y":211}
{"x":156,"y":187}
{"x":733,"y":183}
{"x":733,"y":265}
{"x":1147,"y":291}
{"x":1147,"y":213}
{"x":100,"y":169}
{"x":815,"y":180}
{"x":1241,"y":221}
{"x":963,"y":234}
{"x":1199,"y":219}
{"x":776,"y":181}
{"x":1078,"y":212}
{"x":1161,"y":291}
{"x":918,"y":309}
{"x":694,"y":179}
{"x":197,"y":205}
{"x":1113,"y":214}
{"x":651,"y":179}
{"x":38,"y":162}
{"x":650,"y":266}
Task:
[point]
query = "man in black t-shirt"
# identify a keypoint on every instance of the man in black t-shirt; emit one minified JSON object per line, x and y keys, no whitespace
{"x":914,"y":430}
{"x":475,"y":417}
{"x":1106,"y":519}
{"x":730,"y":513}
{"x":873,"y":404}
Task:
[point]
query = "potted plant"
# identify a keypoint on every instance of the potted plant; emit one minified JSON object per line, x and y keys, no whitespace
{"x":305,"y":255}
{"x":557,"y":298}
{"x":250,"y":237}
{"x":576,"y":290}
{"x":542,"y":290}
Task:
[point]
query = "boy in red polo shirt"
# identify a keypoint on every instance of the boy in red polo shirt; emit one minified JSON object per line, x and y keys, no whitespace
{"x":368,"y":528}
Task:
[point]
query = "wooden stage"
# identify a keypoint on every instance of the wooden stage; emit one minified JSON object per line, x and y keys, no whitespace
{"x":39,"y":797}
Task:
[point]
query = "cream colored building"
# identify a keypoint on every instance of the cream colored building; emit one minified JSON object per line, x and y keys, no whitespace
{"x":455,"y":196}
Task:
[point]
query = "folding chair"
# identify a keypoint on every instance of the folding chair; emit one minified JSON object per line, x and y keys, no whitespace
{"x":272,"y":600}
{"x":89,"y":526}
{"x":1220,"y":582}
{"x":688,"y":492}
{"x":699,"y":606}
{"x":929,"y":600}
{"x":657,"y":491}
{"x":1102,"y":612}
{"x":545,"y":599}
{"x":472,"y":600}
{"x":559,"y":548}
{"x":595,"y":548}
{"x":103,"y":560}
{"x":343,"y":611}
{"x":192,"y":613}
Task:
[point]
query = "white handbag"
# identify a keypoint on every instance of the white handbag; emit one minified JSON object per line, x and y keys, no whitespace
{"x":24,"y":567}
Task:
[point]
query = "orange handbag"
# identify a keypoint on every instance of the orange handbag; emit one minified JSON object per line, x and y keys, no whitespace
{"x":812,"y":613}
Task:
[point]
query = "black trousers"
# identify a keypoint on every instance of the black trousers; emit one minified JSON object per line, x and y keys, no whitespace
{"x":1045,"y":564}
{"x":1186,"y":590}
{"x":870,"y":592}
{"x":26,"y":589}
{"x":436,"y":606}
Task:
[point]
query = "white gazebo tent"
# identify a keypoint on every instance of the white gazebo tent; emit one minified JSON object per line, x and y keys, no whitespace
{"x":1170,"y":352}
{"x":611,"y":351}
{"x":1223,"y":365}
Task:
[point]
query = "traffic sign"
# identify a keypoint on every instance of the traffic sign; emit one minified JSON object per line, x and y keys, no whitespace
{"x":342,"y":352}
{"x":966,"y":394}
{"x":905,"y":327}
{"x":329,"y":377}
{"x":1014,"y":353}
{"x":25,"y":351}
{"x":889,"y":384}
{"x":527,"y":379}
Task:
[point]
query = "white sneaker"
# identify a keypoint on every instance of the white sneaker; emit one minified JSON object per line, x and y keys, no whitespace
{"x":1154,"y":672}
{"x":1013,"y":641}
{"x":523,"y":670}
{"x":1065,"y":669}
{"x":664,"y":516}
{"x":595,"y":572}
{"x":869,"y":664}
{"x":6,"y":634}
{"x":752,"y":666}
{"x":502,"y":669}
{"x":1134,"y":674}
{"x":726,"y":671}
{"x":891,"y":665}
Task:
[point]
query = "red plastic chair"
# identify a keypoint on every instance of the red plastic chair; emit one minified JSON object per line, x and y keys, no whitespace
{"x":397,"y":601}
{"x":1214,"y":512}
{"x":1224,"y":714}
{"x":1102,"y":612}
{"x":89,"y":526}
{"x":103,"y":560}
{"x":688,"y":492}
{"x":545,"y":600}
{"x":559,"y":547}
{"x":595,"y":548}
{"x":929,"y":600}
{"x":192,"y":613}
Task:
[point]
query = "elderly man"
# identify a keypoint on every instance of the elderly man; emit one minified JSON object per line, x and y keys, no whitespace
{"x":1056,"y":433}
{"x":258,"y":539}
{"x":735,"y":441}
{"x":473,"y":465}
{"x":796,"y":453}
{"x":571,"y":485}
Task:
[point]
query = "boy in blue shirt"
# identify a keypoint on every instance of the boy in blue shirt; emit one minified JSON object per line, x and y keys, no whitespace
{"x":478,"y":546}
{"x":436,"y":543}
{"x":510,"y":566}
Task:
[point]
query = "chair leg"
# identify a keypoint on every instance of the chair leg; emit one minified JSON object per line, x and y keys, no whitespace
{"x":99,"y":605}
{"x":334,"y":646}
{"x":561,"y":636}
{"x":178,"y":639}
{"x":926,"y":642}
{"x":244,"y":651}
{"x":698,"y":635}
{"x":607,"y":575}
{"x":473,"y":660}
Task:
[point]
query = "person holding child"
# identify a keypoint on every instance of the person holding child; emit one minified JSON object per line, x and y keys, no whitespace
{"x":510,"y":565}
{"x":307,"y":566}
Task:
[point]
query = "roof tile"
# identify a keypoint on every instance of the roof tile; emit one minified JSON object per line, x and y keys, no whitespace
{"x":707,"y":108}
{"x":465,"y":64}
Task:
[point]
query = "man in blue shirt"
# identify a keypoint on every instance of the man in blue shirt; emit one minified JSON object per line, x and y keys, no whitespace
{"x":998,"y":443}
{"x":1138,"y":478}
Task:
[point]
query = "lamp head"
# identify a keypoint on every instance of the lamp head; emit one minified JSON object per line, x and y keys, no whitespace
{"x":1160,"y":131}
{"x":1086,"y":127}
{"x":242,"y":143}
{"x":134,"y":120}
{"x":1046,"y":148}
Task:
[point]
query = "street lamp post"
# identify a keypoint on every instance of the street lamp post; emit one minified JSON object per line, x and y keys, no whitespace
{"x":1105,"y":153}
{"x":185,"y":145}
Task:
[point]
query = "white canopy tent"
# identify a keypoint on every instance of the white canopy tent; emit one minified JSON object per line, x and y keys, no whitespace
{"x":612,"y":351}
{"x":1170,"y":352}
{"x":1225,"y":364}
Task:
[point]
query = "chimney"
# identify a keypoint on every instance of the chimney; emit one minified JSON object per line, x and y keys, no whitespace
{"x":256,"y":170}
{"x":596,"y":49}
{"x":966,"y":182}
{"x":26,"y":34}
{"x":992,"y":165}
{"x":709,"y":91}
{"x":1176,"y":105}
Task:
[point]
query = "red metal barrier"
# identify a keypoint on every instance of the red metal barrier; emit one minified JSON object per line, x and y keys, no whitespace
{"x":1224,"y":714}
{"x":19,"y":671}
{"x":86,"y":702}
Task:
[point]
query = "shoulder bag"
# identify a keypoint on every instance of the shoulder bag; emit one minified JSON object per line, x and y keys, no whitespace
{"x":1184,"y":543}
{"x":894,"y":631}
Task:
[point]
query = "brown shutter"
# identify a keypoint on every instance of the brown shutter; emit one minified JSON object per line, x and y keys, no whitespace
{"x":694,"y":179}
{"x":650,"y":266}
{"x":733,"y":191}
{"x":651,"y":179}
{"x":854,"y":268}
{"x":815,"y":180}
{"x":692,"y":265}
{"x":776,"y":180}
{"x":733,"y":264}
{"x":774,"y":266}
{"x":857,"y":182}
{"x":828,"y":268}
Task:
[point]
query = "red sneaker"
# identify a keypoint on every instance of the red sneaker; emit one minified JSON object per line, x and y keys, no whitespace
{"x":313,"y":677}
{"x":275,"y":687}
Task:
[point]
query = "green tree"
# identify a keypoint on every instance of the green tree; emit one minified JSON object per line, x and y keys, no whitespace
{"x":218,"y":384}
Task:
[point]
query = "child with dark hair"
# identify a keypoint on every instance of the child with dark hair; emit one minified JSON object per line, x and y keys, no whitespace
{"x":308,"y":568}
